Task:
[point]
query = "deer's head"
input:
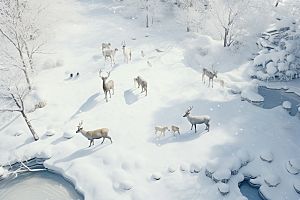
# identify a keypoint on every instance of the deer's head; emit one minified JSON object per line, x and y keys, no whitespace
{"x":188,"y":111}
{"x":103,"y":78}
{"x":123,"y":45}
{"x":79,"y":128}
{"x":214,"y":71}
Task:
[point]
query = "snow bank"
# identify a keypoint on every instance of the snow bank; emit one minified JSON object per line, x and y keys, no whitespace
{"x":251,"y":96}
{"x":195,"y":167}
{"x":283,"y":66}
{"x":1,"y":171}
{"x":172,"y":168}
{"x":184,"y":167}
{"x":271,"y":68}
{"x":126,"y":185}
{"x":295,"y":162}
{"x":272,"y":180}
{"x":244,"y":156}
{"x":212,"y":166}
{"x":266,"y":156}
{"x":290,"y":168}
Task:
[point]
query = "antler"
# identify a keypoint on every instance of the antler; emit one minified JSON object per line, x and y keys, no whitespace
{"x":80,"y":123}
{"x":188,"y":110}
{"x":100,"y":73}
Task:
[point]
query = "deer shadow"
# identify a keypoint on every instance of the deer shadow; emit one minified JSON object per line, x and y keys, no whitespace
{"x":81,"y":153}
{"x":183,"y":137}
{"x":130,"y":97}
{"x":96,"y":58}
{"x":87,"y":106}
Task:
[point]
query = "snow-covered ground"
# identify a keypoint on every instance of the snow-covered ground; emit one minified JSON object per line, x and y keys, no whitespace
{"x":239,"y":132}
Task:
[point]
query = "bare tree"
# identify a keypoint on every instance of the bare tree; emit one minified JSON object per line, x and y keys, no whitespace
{"x":13,"y":91}
{"x":27,"y":27}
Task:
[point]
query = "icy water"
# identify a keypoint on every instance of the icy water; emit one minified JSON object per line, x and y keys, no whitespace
{"x":40,"y":185}
{"x":248,"y":191}
{"x":275,"y":98}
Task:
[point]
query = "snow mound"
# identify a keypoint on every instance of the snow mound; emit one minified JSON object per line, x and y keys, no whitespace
{"x":221,"y":175}
{"x":244,"y":156}
{"x":223,"y":188}
{"x":127,"y":185}
{"x":172,"y":168}
{"x":241,"y":198}
{"x":290,"y":168}
{"x":296,"y":185}
{"x":283,"y":66}
{"x":266,"y":156}
{"x":19,"y":132}
{"x":295,"y":162}
{"x":195,"y":167}
{"x":212,"y":166}
{"x":1,"y":171}
{"x":69,"y":134}
{"x":156,"y":175}
{"x":251,"y":96}
{"x":287,"y":105}
{"x":272,"y":180}
{"x":233,"y":164}
{"x":45,"y":153}
{"x":184,"y":167}
{"x":50,"y":132}
{"x":271,"y":68}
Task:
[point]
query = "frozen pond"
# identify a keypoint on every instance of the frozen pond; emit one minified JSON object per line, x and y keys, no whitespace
{"x":248,"y":191}
{"x":273,"y":98}
{"x":37,"y":186}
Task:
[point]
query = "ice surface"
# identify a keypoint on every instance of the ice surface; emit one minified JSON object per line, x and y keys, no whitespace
{"x":266,"y":155}
{"x":241,"y":198}
{"x":252,"y":96}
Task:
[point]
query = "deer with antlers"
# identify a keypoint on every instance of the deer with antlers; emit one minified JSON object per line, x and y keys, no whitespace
{"x":194,"y":120}
{"x":96,"y":134}
{"x":126,"y":51}
{"x":210,"y":74}
{"x":107,"y":86}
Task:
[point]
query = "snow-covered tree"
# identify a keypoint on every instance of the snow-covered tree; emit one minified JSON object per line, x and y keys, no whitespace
{"x":26,"y":26}
{"x":13,"y":92}
{"x":149,"y":9}
{"x":190,"y":13}
{"x":238,"y":19}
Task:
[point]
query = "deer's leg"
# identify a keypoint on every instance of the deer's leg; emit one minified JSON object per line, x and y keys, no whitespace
{"x":90,"y":143}
{"x":207,"y":125}
{"x":212,"y":83}
{"x":195,"y":128}
{"x":109,"y":138}
{"x":109,"y":93}
{"x":103,"y":140}
{"x":192,"y":127}
{"x":106,"y":96}
{"x":93,"y":142}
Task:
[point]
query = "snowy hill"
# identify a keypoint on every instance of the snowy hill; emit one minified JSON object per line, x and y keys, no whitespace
{"x":137,"y":155}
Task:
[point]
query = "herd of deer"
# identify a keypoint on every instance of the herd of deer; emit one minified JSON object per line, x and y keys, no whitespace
{"x":107,"y":86}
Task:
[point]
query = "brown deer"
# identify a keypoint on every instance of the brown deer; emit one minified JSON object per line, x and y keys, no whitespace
{"x":96,"y":134}
{"x":107,"y":86}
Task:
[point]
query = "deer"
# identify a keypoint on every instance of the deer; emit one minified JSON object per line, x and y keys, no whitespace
{"x":161,"y":129}
{"x":174,"y":129}
{"x":141,"y":82}
{"x":126,"y":51}
{"x":107,"y":86}
{"x":149,"y":64}
{"x":222,"y":83}
{"x":158,"y":50}
{"x":96,"y":134}
{"x":105,"y":46}
{"x":210,"y":75}
{"x":109,"y":53}
{"x":194,"y":120}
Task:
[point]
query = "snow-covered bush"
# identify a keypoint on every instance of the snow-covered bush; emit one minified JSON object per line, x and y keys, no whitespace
{"x":279,"y":52}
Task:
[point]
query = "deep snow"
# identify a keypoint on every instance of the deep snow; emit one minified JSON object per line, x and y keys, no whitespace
{"x":137,"y":155}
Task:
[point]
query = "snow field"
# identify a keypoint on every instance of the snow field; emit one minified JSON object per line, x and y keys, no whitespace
{"x":126,"y":168}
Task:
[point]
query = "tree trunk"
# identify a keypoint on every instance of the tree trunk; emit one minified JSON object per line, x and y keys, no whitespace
{"x":225,"y":37}
{"x":147,"y":21}
{"x":27,"y":78}
{"x":35,"y":136}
